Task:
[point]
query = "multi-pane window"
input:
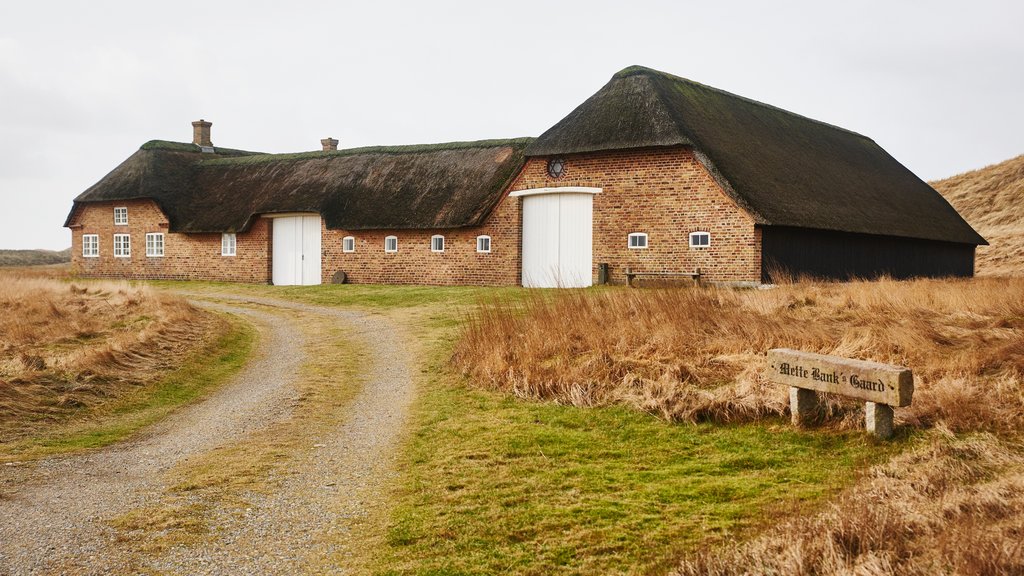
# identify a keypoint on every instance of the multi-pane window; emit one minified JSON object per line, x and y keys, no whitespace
{"x":122,"y":246}
{"x":638,"y":240}
{"x":154,"y":244}
{"x":700,"y":239}
{"x":437,"y":243}
{"x":391,"y":244}
{"x":120,"y":216}
{"x":483,"y":243}
{"x":228,"y":245}
{"x":91,"y":245}
{"x":348,"y":244}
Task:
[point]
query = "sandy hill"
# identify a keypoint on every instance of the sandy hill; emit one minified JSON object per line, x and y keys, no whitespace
{"x":992,"y":200}
{"x":34,"y":257}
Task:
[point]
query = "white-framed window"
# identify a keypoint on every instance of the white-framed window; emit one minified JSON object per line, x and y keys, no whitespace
{"x":154,"y":244}
{"x":637,"y":240}
{"x":228,"y":245}
{"x":91,"y":245}
{"x":700,"y":239}
{"x":483,"y":244}
{"x":348,"y":244}
{"x":437,"y":243}
{"x":120,"y":216}
{"x":391,"y":244}
{"x":122,"y":246}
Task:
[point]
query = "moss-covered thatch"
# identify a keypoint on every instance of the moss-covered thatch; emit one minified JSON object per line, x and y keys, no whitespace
{"x":785,"y":169}
{"x":400,"y":187}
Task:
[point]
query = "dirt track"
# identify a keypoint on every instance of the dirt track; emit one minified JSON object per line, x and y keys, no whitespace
{"x":58,"y":518}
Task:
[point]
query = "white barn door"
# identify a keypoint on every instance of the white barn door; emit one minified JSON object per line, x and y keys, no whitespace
{"x":311,"y":257}
{"x":558,"y":240}
{"x":296,"y":245}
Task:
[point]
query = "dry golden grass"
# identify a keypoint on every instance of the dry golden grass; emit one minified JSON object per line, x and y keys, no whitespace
{"x":992,"y":200}
{"x":953,"y":506}
{"x":67,"y":348}
{"x":699,"y":354}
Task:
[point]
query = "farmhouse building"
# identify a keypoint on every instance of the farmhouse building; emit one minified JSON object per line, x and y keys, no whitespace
{"x":652,"y":174}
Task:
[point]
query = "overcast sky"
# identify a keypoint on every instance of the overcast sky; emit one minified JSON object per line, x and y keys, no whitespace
{"x":939,"y":85}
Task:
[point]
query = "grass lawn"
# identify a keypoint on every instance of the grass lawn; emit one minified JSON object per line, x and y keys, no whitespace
{"x":491,"y":484}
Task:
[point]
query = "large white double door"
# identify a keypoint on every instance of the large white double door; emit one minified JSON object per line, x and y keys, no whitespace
{"x":296,"y":245}
{"x":558,"y":239}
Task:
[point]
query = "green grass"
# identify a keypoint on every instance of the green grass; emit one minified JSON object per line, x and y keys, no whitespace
{"x":496,"y":485}
{"x":206,"y":369}
{"x":369,"y":296}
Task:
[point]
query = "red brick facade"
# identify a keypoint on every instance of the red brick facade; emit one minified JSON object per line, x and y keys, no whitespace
{"x":665,"y":193}
{"x":414,"y":263}
{"x":186,"y":256}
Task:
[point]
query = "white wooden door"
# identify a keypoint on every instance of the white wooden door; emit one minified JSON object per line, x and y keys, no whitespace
{"x":575,"y":240}
{"x":557,"y":240}
{"x":296,"y":245}
{"x":311,"y":257}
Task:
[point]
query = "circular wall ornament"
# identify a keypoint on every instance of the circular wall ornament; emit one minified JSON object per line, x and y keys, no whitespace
{"x":556,"y":167}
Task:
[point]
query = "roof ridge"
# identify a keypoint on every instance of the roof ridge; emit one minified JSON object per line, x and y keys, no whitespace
{"x":393,"y":149}
{"x":637,"y":70}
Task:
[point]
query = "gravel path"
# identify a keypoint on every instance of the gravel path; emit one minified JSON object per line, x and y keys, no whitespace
{"x":57,"y":515}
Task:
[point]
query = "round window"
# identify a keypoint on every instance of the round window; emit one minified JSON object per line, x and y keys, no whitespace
{"x":556,"y":167}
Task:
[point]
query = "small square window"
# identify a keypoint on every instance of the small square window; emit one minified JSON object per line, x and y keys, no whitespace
{"x":154,"y":245}
{"x":637,"y":240}
{"x":391,"y":244}
{"x":483,"y":244}
{"x":437,"y":243}
{"x":348,"y":244}
{"x":228,"y":245}
{"x":91,"y":245}
{"x":120,"y":216}
{"x":122,"y":246}
{"x":700,"y":239}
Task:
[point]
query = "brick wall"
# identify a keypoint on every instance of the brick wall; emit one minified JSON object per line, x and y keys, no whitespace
{"x":667,"y":194}
{"x":186,"y":256}
{"x":414,"y":263}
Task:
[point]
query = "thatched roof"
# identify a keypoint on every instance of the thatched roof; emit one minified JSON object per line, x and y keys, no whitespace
{"x":398,"y":187}
{"x":783,"y":168}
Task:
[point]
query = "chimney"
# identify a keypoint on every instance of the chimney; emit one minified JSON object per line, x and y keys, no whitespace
{"x":201,"y":133}
{"x":329,"y":144}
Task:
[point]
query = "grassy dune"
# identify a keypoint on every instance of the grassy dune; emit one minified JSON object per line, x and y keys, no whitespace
{"x":992,"y":200}
{"x":34,"y":257}
{"x":85,"y":365}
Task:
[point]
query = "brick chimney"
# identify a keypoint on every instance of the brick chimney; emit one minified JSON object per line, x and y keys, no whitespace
{"x":329,"y":144}
{"x":201,"y":133}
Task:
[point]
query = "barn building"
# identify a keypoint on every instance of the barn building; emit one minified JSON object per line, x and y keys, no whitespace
{"x":654,"y":174}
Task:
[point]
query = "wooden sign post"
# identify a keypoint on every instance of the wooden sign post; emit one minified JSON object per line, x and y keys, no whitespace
{"x":882,"y":386}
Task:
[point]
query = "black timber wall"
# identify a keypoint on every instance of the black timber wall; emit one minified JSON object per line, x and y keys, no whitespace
{"x":843,"y":256}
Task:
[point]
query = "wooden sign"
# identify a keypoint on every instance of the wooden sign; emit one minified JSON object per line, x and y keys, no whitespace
{"x":869,"y":381}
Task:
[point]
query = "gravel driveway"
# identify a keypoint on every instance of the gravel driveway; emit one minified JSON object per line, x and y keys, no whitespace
{"x":56,"y":519}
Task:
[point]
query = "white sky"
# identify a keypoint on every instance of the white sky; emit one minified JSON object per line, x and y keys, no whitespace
{"x":939,"y":85}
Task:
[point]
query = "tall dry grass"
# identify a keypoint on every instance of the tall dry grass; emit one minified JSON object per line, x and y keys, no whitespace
{"x":953,"y":506}
{"x":65,"y":346}
{"x":699,"y":354}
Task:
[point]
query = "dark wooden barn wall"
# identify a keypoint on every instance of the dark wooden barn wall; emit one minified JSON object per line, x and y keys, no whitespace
{"x":843,"y":256}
